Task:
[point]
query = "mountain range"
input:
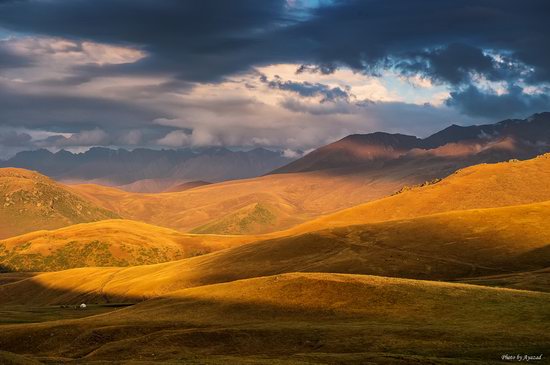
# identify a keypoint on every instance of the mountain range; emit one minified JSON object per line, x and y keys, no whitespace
{"x":147,"y":170}
{"x":511,"y":138}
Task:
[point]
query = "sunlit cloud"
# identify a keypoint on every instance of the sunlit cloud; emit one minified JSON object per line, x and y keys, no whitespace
{"x":68,"y":52}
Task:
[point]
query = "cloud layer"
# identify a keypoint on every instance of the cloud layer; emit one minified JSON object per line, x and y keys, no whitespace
{"x":279,"y":73}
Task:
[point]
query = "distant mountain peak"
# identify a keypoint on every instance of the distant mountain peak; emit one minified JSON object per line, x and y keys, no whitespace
{"x":353,"y":150}
{"x":530,"y":136}
{"x":122,"y":167}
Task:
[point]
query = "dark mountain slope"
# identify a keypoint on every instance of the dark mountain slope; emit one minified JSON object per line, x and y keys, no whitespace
{"x":122,"y":167}
{"x":354,"y":150}
{"x":512,"y":138}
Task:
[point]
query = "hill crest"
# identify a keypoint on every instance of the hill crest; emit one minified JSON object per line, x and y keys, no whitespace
{"x":30,"y":201}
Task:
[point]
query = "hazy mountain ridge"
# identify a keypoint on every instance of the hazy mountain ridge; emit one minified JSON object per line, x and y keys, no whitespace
{"x":511,"y":138}
{"x":122,"y":167}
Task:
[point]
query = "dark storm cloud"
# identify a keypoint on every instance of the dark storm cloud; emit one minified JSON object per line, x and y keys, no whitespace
{"x":308,"y":89}
{"x":10,"y":60}
{"x":66,"y":113}
{"x":14,"y":139}
{"x":200,"y":41}
{"x":363,"y":34}
{"x":515,"y":102}
{"x":453,"y":64}
{"x":353,"y":32}
{"x":323,"y":69}
{"x":207,"y":39}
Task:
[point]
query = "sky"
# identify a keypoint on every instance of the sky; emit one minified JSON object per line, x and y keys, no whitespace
{"x":281,"y":74}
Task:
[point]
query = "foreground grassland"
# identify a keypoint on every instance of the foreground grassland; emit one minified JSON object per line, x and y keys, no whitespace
{"x":29,"y":314}
{"x":455,"y":246}
{"x":386,"y":282}
{"x":302,"y":319}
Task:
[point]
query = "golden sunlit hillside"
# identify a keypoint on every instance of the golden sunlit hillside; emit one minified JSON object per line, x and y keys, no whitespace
{"x":251,"y":219}
{"x":105,"y":243}
{"x":447,"y":246}
{"x":282,"y":182}
{"x":30,"y":201}
{"x":480,"y":186}
{"x":302,"y":318}
{"x":290,"y":199}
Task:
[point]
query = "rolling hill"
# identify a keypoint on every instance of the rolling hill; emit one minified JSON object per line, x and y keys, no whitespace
{"x":302,"y":318}
{"x":186,"y":186}
{"x":147,"y":185}
{"x":30,"y":201}
{"x":151,"y":186}
{"x":447,"y":246}
{"x":104,"y":243}
{"x":122,"y":243}
{"x":251,"y":219}
{"x":318,"y":199}
{"x":290,"y":198}
{"x":356,"y":170}
{"x":538,"y":280}
{"x":481,"y":186}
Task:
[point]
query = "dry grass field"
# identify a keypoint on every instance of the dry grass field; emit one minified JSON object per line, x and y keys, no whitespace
{"x":448,"y":246}
{"x":452,"y":272}
{"x":480,"y":186}
{"x":304,"y":202}
{"x":30,"y":201}
{"x":287,"y":199}
{"x":300,"y":319}
{"x":105,"y":243}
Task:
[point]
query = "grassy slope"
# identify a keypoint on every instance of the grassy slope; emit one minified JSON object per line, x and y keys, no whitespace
{"x":104,"y":243}
{"x":311,"y":197}
{"x":480,"y":186}
{"x":529,"y":280}
{"x":30,"y":201}
{"x":251,"y":219}
{"x":329,"y":318}
{"x":304,"y":318}
{"x":12,"y":277}
{"x":444,"y":246}
{"x":292,"y":198}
